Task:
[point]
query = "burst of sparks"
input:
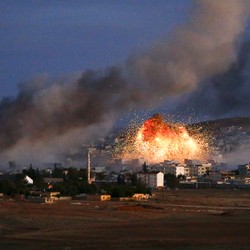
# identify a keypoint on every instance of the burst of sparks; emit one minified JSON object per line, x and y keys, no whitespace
{"x":157,"y":140}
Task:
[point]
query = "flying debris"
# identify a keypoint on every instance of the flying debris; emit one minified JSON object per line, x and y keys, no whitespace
{"x":157,"y":140}
{"x":46,"y":120}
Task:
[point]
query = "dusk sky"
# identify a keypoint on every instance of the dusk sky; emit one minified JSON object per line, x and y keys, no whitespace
{"x":60,"y":37}
{"x":71,"y":71}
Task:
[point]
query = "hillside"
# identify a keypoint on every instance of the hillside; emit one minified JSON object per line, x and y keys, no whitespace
{"x":226,"y":135}
{"x":242,"y":123}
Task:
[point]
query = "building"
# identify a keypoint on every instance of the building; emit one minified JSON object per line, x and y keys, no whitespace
{"x":204,"y":168}
{"x":105,"y":197}
{"x":99,"y":169}
{"x":40,"y":199}
{"x":215,"y":175}
{"x":50,"y":180}
{"x":102,"y":197}
{"x":244,"y":170}
{"x":168,"y":167}
{"x":140,"y":197}
{"x":189,"y":169}
{"x":227,"y":175}
{"x":28,"y":180}
{"x":247,"y":180}
{"x":175,"y":170}
{"x":53,"y":194}
{"x":192,"y":162}
{"x":151,"y":179}
{"x":193,"y":170}
{"x":179,"y":170}
{"x":198,"y":170}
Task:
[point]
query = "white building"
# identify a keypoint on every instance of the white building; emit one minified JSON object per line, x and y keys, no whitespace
{"x":28,"y":180}
{"x":187,"y":171}
{"x":151,"y":179}
{"x":180,"y":170}
{"x":176,"y":170}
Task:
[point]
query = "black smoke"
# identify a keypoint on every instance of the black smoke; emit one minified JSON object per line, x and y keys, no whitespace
{"x":38,"y":113}
{"x":47,"y":119}
{"x":224,"y":95}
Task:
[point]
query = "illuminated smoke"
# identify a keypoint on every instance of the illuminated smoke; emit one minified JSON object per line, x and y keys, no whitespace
{"x":200,"y":48}
{"x":53,"y":118}
{"x":224,"y":95}
{"x":43,"y":118}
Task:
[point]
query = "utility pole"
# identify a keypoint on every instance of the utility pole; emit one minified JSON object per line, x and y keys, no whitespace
{"x":89,"y":165}
{"x":89,"y":178}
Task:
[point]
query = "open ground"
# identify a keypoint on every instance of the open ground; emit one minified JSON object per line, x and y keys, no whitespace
{"x":175,"y":219}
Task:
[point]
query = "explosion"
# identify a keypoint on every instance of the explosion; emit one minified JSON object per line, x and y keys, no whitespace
{"x":157,"y":140}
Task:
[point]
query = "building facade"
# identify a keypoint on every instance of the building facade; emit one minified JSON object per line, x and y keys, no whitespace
{"x":151,"y":179}
{"x":244,"y":170}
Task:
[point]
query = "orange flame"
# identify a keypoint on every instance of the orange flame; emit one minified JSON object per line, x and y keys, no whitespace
{"x":156,"y":141}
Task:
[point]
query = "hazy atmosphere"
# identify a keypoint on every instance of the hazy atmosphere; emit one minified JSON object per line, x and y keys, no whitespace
{"x":124,"y":124}
{"x":71,"y":70}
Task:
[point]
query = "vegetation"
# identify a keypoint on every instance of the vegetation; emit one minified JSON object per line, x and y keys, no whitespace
{"x":74,"y":183}
{"x":171,"y":180}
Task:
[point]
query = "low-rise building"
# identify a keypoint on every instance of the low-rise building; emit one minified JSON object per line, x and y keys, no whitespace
{"x":198,"y":170}
{"x":105,"y":197}
{"x":186,"y":171}
{"x":215,"y":175}
{"x":151,"y":179}
{"x":244,"y":170}
{"x":140,"y":197}
{"x":28,"y":180}
{"x":53,"y":194}
{"x":247,"y":180}
{"x":99,"y":169}
{"x":102,"y":197}
{"x":40,"y":199}
{"x":51,"y":180}
{"x":227,"y":175}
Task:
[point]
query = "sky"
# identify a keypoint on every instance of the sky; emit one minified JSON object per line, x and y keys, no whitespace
{"x":71,"y":70}
{"x":60,"y":37}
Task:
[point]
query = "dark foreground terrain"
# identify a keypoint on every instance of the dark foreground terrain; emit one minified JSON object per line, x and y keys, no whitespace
{"x":204,"y":220}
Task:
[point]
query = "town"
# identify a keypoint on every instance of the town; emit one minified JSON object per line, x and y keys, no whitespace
{"x":124,"y":179}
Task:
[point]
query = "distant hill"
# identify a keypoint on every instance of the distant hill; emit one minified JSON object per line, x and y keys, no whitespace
{"x":217,"y":125}
{"x":226,"y":135}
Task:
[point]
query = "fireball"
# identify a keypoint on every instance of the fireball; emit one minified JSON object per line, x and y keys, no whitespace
{"x":157,"y":140}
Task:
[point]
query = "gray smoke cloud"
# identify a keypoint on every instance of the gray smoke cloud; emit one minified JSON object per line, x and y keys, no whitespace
{"x":45,"y":119}
{"x":226,"y":94}
{"x":237,"y":157}
{"x":204,"y":46}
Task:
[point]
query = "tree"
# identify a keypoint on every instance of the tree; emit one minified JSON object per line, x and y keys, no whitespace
{"x":122,"y":191}
{"x":171,"y":180}
{"x":8,"y":187}
{"x":141,"y":187}
{"x":35,"y":175}
{"x":57,"y":172}
{"x":100,"y":176}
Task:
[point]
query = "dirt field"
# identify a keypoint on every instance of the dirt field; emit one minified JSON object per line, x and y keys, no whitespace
{"x":182,"y":219}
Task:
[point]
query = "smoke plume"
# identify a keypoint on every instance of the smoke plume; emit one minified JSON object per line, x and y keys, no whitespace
{"x":46,"y":119}
{"x":49,"y":118}
{"x":206,"y":45}
{"x":237,"y":157}
{"x":226,"y":94}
